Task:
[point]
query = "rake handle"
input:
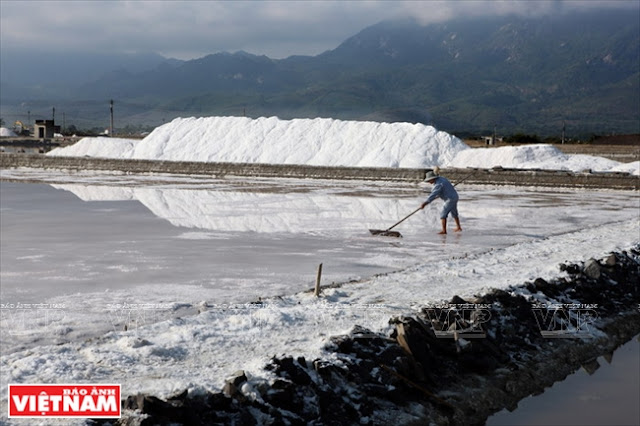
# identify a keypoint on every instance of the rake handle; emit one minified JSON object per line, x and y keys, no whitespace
{"x":404,"y":218}
{"x":465,"y":178}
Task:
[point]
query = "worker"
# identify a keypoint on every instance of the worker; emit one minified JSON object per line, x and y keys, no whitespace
{"x":442,"y":188}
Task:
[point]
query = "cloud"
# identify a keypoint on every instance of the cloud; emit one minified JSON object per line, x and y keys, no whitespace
{"x":189,"y":29}
{"x":442,"y":10}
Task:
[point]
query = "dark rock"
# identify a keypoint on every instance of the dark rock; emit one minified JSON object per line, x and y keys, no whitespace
{"x":591,"y":366}
{"x":162,"y":412}
{"x":478,"y":363}
{"x":232,"y":385}
{"x":407,"y":367}
{"x":344,"y":344}
{"x":326,"y":369}
{"x":541,"y":284}
{"x":418,"y":342}
{"x":287,"y":368}
{"x":334,"y":410}
{"x":302,"y":362}
{"x":375,"y":389}
{"x":221,"y":402}
{"x":179,"y":396}
{"x":283,"y":395}
{"x":610,"y":260}
{"x":592,"y":269}
{"x":570,"y":269}
{"x":457,"y":300}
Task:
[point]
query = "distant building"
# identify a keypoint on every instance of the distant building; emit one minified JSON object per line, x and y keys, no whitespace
{"x":491,"y":140}
{"x":45,"y":129}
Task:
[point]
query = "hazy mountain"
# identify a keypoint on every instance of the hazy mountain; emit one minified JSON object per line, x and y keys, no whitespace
{"x":468,"y":75}
{"x":34,"y":75}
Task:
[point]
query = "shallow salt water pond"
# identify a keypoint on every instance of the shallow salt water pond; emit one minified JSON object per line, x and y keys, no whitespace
{"x":85,"y":255}
{"x":88,"y":242}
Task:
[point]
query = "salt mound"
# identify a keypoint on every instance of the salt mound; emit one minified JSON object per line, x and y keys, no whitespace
{"x":7,"y":133}
{"x":319,"y":142}
{"x":541,"y":156}
{"x":328,"y":142}
{"x":95,"y":147}
{"x":632,"y":168}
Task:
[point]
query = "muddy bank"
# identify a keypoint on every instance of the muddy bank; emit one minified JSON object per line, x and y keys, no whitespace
{"x":454,"y":363}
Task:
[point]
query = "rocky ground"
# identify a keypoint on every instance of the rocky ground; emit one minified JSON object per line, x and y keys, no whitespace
{"x":453,"y":364}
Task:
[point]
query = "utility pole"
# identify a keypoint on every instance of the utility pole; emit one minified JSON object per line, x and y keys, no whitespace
{"x":111,"y":123}
{"x":63,"y":122}
{"x":563,"y":129}
{"x":54,"y":115}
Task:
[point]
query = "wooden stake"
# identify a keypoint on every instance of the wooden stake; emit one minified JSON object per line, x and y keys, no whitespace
{"x":316,"y":292}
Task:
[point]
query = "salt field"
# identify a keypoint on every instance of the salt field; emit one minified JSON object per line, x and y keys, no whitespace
{"x":149,"y":280}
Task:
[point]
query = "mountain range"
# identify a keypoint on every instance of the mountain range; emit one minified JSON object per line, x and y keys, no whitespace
{"x":510,"y":74}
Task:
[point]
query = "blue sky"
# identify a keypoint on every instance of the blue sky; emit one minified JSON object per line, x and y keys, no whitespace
{"x":192,"y":29}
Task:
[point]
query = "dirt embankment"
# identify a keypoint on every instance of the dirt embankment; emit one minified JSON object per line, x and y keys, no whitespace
{"x":622,"y":153}
{"x":452,"y":364}
{"x":495,"y":176}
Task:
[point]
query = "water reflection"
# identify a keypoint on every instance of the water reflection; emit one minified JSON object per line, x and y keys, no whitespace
{"x":274,"y":208}
{"x":263,"y":212}
{"x":606,"y":395}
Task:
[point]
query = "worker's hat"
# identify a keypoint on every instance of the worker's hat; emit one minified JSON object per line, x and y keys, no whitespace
{"x":430,"y":176}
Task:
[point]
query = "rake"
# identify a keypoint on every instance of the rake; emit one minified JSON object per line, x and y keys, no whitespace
{"x":388,"y":232}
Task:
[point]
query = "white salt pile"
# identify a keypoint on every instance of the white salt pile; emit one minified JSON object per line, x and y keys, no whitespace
{"x":328,"y":142}
{"x":96,"y":147}
{"x":7,"y":133}
{"x":530,"y":157}
{"x":319,"y":141}
{"x":632,"y":168}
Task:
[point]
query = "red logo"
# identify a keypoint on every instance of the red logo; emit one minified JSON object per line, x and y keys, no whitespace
{"x":92,"y":401}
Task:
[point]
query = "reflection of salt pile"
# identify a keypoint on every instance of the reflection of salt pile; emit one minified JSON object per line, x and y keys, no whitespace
{"x":266,"y":212}
{"x":328,"y":142}
{"x":320,"y":141}
{"x":99,"y":193}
